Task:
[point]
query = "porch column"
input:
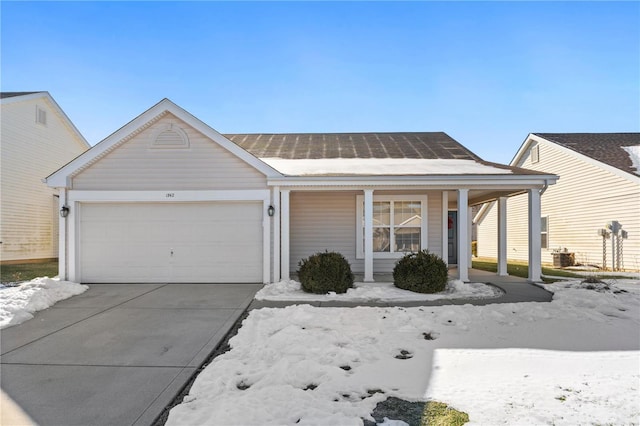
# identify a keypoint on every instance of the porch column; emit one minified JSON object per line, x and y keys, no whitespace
{"x":276,"y":234}
{"x":284,"y":232}
{"x":535,"y":268}
{"x":502,"y":236}
{"x":463,"y":234}
{"x":266,"y":247}
{"x":72,"y":266}
{"x":368,"y":235}
{"x":470,"y":234}
{"x":62,"y":236}
{"x":445,"y":227}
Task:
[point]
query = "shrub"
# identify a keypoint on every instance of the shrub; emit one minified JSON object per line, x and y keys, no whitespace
{"x":325,"y":272}
{"x":421,"y":272}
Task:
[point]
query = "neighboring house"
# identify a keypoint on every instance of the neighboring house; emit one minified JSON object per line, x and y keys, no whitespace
{"x":166,"y":198}
{"x":37,"y":138}
{"x":599,"y":183}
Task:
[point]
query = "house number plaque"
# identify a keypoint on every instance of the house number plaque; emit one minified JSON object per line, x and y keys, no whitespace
{"x":170,"y":194}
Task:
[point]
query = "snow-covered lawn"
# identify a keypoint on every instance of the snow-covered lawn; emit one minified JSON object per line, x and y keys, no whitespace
{"x":575,"y":360}
{"x":379,"y":291}
{"x":18,"y":303}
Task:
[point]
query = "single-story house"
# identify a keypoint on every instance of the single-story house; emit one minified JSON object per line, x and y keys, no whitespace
{"x":37,"y":139}
{"x":166,"y":198}
{"x":599,"y":185}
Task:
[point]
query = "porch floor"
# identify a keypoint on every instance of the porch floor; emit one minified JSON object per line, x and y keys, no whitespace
{"x":515,"y":290}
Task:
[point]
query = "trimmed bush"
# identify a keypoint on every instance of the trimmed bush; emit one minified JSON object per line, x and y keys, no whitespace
{"x":421,"y":272}
{"x":325,"y":272}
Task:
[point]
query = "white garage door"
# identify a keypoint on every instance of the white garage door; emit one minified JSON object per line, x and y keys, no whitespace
{"x":171,"y":242}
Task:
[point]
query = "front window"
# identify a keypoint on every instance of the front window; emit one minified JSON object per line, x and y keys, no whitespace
{"x":544,"y":232}
{"x":397,"y":225}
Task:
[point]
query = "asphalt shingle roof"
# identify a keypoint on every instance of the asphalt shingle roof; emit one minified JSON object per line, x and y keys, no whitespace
{"x":604,"y":147}
{"x":424,"y":145}
{"x":13,"y":94}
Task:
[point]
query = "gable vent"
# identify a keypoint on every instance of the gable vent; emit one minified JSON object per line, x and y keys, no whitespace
{"x":169,"y":136}
{"x":41,"y":116}
{"x":535,"y":154}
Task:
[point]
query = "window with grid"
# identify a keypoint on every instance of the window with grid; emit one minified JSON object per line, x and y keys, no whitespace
{"x":397,"y":225}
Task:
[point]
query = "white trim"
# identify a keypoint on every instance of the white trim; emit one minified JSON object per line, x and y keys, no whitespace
{"x":276,"y":234}
{"x":61,"y":177}
{"x":470,"y":235}
{"x":448,"y":182}
{"x":266,"y":242}
{"x":169,"y":196}
{"x":76,"y":197}
{"x":62,"y":236}
{"x":73,"y":239}
{"x":502,"y":236}
{"x":535,"y":256}
{"x":424,"y":235}
{"x":368,"y":234}
{"x":463,"y":237}
{"x":284,"y":230}
{"x":445,"y":227}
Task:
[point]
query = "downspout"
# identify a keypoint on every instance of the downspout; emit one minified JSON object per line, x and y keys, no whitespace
{"x":544,"y":188}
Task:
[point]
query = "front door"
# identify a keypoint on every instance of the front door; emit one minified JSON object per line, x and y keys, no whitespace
{"x":453,"y":238}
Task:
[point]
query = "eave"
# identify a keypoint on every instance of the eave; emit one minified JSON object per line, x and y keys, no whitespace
{"x":431,"y":181}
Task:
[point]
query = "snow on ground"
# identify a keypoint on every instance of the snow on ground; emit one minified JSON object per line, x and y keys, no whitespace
{"x":378,"y":291}
{"x":539,"y":387}
{"x":575,"y":360}
{"x":19,"y":303}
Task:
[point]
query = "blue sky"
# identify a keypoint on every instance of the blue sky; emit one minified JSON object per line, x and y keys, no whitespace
{"x":487,"y":73}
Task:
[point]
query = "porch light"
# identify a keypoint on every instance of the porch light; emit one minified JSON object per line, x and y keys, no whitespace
{"x":64,"y":211}
{"x":271,"y":211}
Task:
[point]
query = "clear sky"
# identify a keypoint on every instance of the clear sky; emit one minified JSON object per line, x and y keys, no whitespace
{"x":487,"y":73}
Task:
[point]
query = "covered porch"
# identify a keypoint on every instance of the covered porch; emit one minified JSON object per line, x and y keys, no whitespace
{"x":368,"y":223}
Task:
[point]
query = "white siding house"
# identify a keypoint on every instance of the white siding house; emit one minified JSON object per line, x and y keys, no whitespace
{"x":599,"y":183}
{"x":166,"y":198}
{"x":37,"y":138}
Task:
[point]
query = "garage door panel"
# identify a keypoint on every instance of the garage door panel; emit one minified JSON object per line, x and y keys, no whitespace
{"x":172,"y":242}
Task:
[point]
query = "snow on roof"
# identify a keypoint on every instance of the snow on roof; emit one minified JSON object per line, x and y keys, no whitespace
{"x":634,"y":155}
{"x":380,"y":166}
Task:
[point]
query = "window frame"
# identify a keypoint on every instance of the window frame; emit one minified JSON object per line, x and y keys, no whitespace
{"x":424,"y":207}
{"x":545,"y":232}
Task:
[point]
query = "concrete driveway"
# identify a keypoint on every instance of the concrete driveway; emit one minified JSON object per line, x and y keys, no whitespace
{"x":118,"y":353}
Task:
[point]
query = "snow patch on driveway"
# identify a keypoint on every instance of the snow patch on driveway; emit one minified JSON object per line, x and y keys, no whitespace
{"x":19,"y":303}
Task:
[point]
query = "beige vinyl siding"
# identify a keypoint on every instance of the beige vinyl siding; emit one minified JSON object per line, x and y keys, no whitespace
{"x":136,"y":166}
{"x":487,"y":233}
{"x":583,"y":200}
{"x":30,"y":152}
{"x":322,"y":221}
